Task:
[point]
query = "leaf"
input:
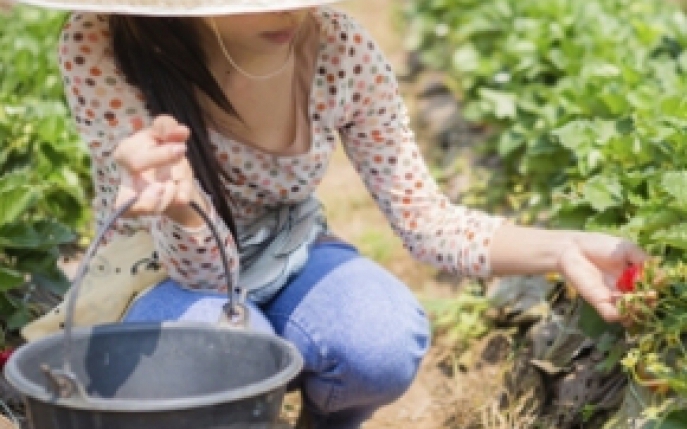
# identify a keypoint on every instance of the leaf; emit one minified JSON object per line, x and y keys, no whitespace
{"x":36,"y":260}
{"x":41,"y":235}
{"x":603,"y":192}
{"x":503,"y":103}
{"x":614,"y":354}
{"x":675,"y":183}
{"x":20,"y":318}
{"x":590,"y":323}
{"x":509,"y":142}
{"x":674,"y":420}
{"x":600,"y":70}
{"x":52,"y":280}
{"x":466,"y":59}
{"x":625,"y":125}
{"x":9,"y":278}
{"x":675,"y":236}
{"x":648,"y":221}
{"x":573,"y":135}
{"x":15,"y":203}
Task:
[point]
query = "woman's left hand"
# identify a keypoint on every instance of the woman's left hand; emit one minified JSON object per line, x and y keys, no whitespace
{"x":592,"y":263}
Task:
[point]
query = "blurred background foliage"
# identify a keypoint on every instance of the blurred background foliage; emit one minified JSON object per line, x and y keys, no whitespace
{"x":586,"y":107}
{"x":588,"y":102}
{"x":45,"y":185}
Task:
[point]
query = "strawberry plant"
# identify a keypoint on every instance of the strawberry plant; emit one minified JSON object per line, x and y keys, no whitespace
{"x":44,"y":180}
{"x":589,"y":100}
{"x":654,"y":316}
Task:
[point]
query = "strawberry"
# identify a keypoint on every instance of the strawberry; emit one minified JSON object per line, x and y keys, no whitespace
{"x":4,"y":356}
{"x":629,"y":277}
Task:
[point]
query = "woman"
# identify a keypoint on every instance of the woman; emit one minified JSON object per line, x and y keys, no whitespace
{"x":238,"y":106}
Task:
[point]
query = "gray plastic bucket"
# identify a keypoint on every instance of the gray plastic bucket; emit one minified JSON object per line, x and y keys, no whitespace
{"x":166,"y":376}
{"x":172,"y":375}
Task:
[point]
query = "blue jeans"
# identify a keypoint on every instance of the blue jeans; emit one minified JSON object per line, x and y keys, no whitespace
{"x":361,"y":332}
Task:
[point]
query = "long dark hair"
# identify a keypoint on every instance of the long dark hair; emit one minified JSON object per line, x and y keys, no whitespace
{"x":164,"y":59}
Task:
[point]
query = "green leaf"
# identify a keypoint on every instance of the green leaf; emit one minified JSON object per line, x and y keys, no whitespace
{"x":590,"y":323}
{"x":600,"y":70}
{"x":648,"y":221}
{"x":674,"y":420}
{"x":41,"y":235}
{"x":503,"y":103}
{"x":675,"y":183}
{"x":20,"y":318}
{"x":615,"y":353}
{"x":10,"y":278}
{"x":52,"y":280}
{"x":675,"y":236}
{"x":15,"y":203}
{"x":603,"y":192}
{"x":466,"y":59}
{"x":6,"y":307}
{"x":573,"y":135}
{"x":36,"y":260}
{"x":509,"y":142}
{"x":625,"y":125}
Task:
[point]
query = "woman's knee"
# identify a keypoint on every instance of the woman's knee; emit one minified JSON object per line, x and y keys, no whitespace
{"x":377,"y":371}
{"x":366,"y":369}
{"x":363,"y":335}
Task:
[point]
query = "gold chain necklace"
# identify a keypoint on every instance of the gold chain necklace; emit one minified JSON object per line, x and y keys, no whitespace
{"x":239,"y":69}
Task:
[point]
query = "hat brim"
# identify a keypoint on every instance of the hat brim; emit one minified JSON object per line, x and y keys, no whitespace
{"x":176,"y":7}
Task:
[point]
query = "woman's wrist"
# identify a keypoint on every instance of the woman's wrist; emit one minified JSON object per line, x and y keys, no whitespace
{"x":185,"y":215}
{"x":526,"y":250}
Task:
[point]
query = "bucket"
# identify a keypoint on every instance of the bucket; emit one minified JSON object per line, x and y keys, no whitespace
{"x":171,"y":375}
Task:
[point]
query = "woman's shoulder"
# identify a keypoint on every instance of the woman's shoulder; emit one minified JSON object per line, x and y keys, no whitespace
{"x":333,"y":18}
{"x":339,"y":28}
{"x":85,"y":27}
{"x":346,"y":46}
{"x":85,"y":39}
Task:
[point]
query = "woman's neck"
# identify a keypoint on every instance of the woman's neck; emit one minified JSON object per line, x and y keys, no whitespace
{"x":227,"y":56}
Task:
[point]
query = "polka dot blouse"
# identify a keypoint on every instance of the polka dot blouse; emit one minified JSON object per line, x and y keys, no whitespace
{"x":354,"y":99}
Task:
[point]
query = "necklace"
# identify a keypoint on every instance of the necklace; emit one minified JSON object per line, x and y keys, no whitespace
{"x":239,"y":69}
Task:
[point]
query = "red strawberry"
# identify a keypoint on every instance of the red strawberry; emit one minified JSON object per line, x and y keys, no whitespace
{"x":629,"y":277}
{"x":4,"y":356}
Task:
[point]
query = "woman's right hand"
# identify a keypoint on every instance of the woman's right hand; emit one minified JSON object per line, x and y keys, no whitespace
{"x":154,"y":168}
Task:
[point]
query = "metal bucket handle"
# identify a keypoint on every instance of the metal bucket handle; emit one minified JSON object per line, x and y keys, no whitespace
{"x":63,"y":382}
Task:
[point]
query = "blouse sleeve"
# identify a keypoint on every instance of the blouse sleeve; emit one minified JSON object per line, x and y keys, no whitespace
{"x":106,"y":110}
{"x":382,"y":147}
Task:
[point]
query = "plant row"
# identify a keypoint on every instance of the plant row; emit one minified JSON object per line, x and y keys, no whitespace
{"x":588,"y":103}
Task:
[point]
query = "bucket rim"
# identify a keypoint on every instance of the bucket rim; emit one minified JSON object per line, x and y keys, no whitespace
{"x":38,"y":392}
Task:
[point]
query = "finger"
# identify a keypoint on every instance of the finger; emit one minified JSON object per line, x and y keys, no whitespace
{"x":169,"y":190}
{"x":182,"y":174}
{"x":588,"y":280}
{"x":148,"y":201}
{"x":633,"y":254}
{"x":166,"y":129}
{"x":184,"y":193}
{"x":153,"y":157}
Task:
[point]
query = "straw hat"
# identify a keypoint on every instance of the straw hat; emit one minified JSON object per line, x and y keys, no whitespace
{"x":176,"y":7}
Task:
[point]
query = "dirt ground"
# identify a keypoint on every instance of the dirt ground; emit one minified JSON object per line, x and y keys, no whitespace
{"x":436,"y":399}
